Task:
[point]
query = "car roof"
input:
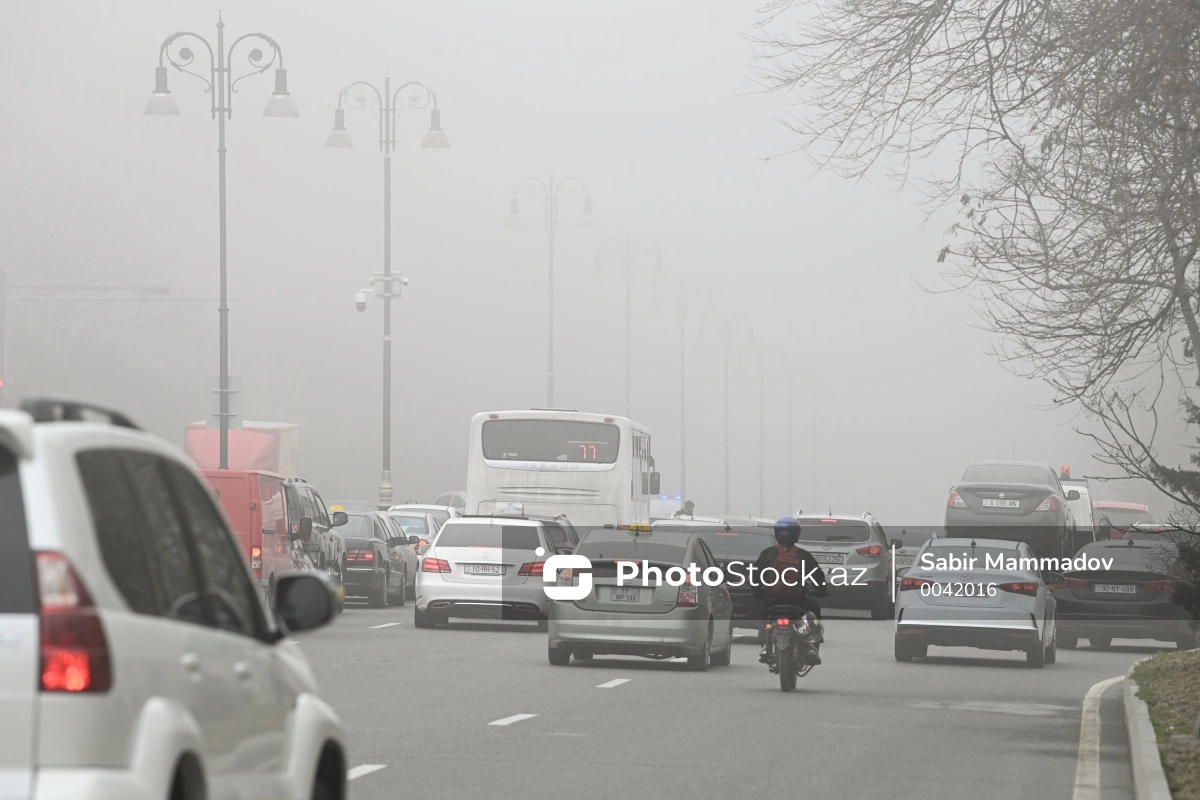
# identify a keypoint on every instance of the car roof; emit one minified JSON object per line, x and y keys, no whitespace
{"x":998,"y":544}
{"x":475,"y":519}
{"x":1005,"y":462}
{"x":865,"y":519}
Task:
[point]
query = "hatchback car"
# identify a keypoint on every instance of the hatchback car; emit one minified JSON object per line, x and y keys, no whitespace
{"x":487,"y":568}
{"x":858,"y":548}
{"x":643,"y":617}
{"x":1132,"y":599}
{"x":1018,"y":500}
{"x":137,"y":657}
{"x":975,"y":593}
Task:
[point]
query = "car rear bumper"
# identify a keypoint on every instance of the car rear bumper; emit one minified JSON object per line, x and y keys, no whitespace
{"x":520,"y":601}
{"x":626,"y":634}
{"x":1157,"y":629}
{"x":982,"y":634}
{"x":356,"y":579}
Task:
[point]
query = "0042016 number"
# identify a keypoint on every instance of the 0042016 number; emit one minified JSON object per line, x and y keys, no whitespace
{"x":959,"y":590}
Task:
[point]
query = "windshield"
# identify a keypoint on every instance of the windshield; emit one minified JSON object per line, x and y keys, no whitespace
{"x":658,"y":552}
{"x":355,"y":526}
{"x":1005,"y":473}
{"x":1122,"y":517}
{"x":816,"y":529}
{"x":1151,"y":557}
{"x":735,"y":543}
{"x":910,"y":538}
{"x":412,"y":525}
{"x":550,"y":440}
{"x":509,"y":537}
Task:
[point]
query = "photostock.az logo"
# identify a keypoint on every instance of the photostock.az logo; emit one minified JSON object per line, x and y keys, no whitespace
{"x":581,"y":568}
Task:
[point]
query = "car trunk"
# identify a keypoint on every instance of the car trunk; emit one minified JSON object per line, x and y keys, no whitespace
{"x":488,"y":566}
{"x":634,"y":596}
{"x":19,"y":651}
{"x":1002,"y":499}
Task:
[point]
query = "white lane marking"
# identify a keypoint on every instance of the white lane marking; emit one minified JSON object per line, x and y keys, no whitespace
{"x":384,"y":625}
{"x":363,"y":769}
{"x":512,"y":719}
{"x":1087,"y":767}
{"x":615,"y":682}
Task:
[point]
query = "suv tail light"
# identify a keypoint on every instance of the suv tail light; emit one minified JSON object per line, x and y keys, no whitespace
{"x":74,"y":649}
{"x":913,"y":583}
{"x":871,"y":551}
{"x":532,"y":568}
{"x":954,"y":501}
{"x":434,"y":565}
{"x":1023,"y":587}
{"x":256,"y":561}
{"x":1160,"y":585}
{"x":689,"y":595}
{"x":1049,"y":504}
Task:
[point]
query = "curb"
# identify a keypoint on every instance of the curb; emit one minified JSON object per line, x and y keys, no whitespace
{"x":1149,"y":779}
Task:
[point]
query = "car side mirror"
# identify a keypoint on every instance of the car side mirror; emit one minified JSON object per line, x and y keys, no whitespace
{"x":655,"y":483}
{"x":1051,"y":578}
{"x":340,"y":519}
{"x":396,"y":541}
{"x":304,"y":601}
{"x":305,"y":528}
{"x":414,"y":539}
{"x":1073,"y":494}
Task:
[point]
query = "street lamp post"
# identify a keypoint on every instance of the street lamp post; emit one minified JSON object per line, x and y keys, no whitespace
{"x":387,"y":105}
{"x":552,"y":194}
{"x":220,"y":85}
{"x":726,"y":343}
{"x":710,"y":313}
{"x":628,"y":254}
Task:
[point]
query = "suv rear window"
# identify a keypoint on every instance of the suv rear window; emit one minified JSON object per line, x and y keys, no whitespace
{"x":834,"y":530}
{"x":744,"y":543}
{"x":16,"y":567}
{"x":510,"y":537}
{"x":634,"y":549}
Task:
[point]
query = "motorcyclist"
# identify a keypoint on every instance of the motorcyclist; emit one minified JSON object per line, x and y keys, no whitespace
{"x":795,"y":588}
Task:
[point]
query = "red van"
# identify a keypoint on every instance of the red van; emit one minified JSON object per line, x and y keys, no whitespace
{"x":253,"y":501}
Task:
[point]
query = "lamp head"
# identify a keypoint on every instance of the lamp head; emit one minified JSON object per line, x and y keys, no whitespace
{"x":339,"y":136}
{"x":587,"y":219}
{"x":161,"y":104}
{"x":281,"y":103}
{"x":435,"y":137}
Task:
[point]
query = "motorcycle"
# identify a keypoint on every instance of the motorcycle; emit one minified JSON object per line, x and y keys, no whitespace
{"x":792,"y":637}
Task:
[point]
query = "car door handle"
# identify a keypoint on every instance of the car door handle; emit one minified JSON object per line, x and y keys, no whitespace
{"x":242,"y":670}
{"x":190,"y":662}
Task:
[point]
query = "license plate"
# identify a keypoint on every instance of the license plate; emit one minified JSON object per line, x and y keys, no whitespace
{"x":829,"y":558}
{"x":989,"y":503}
{"x":904,"y":561}
{"x":625,"y":594}
{"x":483,"y":569}
{"x":1115,"y":588}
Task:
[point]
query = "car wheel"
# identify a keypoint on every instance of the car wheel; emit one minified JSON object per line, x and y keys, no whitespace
{"x":558,"y":656}
{"x":723,"y":658}
{"x":1066,"y":641}
{"x":879,"y":608}
{"x":424,"y":619}
{"x":1100,"y":642}
{"x":701,"y":661}
{"x":903,"y":650}
{"x":402,"y":595}
{"x":378,"y":598}
{"x":1051,"y":652}
{"x":1036,"y":657}
{"x":412,"y":587}
{"x":322,"y":791}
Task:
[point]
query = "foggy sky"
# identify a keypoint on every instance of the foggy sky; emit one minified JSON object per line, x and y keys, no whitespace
{"x":650,"y":104}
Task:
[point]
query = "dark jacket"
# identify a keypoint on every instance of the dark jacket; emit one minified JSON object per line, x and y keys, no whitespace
{"x":807,"y":563}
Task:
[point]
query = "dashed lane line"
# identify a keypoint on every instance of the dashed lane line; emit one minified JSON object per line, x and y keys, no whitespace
{"x":510,"y":720}
{"x":363,"y":769}
{"x":614,"y":683}
{"x":384,"y":625}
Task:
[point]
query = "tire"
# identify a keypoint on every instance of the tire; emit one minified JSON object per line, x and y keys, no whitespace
{"x":1051,"y":652}
{"x":787,"y":673}
{"x":1100,"y":642}
{"x":904,"y":652}
{"x":321,"y":791}
{"x":1036,"y":657}
{"x":424,"y":619}
{"x":723,"y":658}
{"x":401,"y":596}
{"x":378,"y":598}
{"x":879,"y":608}
{"x":1067,"y":641}
{"x":701,"y":661}
{"x":558,"y":657}
{"x":412,"y":586}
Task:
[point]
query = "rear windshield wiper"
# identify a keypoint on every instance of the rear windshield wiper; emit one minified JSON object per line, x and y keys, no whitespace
{"x":840,"y":539}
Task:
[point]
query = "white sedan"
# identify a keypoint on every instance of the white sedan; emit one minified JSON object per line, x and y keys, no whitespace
{"x":982,"y":593}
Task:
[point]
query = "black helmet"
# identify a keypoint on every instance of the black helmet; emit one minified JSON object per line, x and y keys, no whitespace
{"x":787,"y":530}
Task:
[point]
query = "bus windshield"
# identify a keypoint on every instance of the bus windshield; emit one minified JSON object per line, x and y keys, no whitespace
{"x":550,"y":440}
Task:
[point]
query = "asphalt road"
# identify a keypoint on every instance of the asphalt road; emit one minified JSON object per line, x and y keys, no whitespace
{"x":475,"y":711}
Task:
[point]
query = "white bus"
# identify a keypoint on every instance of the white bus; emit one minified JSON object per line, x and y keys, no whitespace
{"x":596,"y":469}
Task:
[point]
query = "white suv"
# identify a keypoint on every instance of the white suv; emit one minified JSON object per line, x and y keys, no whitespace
{"x":136,"y":660}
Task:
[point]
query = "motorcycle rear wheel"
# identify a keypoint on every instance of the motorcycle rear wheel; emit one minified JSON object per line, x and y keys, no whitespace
{"x":787,"y":671}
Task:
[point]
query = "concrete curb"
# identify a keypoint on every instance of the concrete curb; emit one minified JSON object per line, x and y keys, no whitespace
{"x":1149,"y":779}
